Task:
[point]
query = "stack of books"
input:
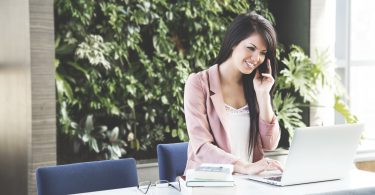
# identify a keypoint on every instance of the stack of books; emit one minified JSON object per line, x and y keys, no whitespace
{"x":209,"y":175}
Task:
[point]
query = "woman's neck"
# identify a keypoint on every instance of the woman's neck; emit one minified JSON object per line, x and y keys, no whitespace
{"x":229,"y":74}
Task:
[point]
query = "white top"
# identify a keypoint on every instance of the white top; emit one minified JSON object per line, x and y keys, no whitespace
{"x":239,"y":131}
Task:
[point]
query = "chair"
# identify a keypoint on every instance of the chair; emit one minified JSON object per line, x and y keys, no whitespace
{"x":172,"y":160}
{"x":86,"y":177}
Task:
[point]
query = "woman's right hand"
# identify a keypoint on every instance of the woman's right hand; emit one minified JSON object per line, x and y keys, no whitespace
{"x":264,"y":164}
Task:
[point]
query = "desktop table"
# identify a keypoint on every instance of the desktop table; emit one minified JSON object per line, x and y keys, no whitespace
{"x":360,"y":182}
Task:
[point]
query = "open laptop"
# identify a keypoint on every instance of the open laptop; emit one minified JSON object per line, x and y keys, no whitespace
{"x":317,"y":154}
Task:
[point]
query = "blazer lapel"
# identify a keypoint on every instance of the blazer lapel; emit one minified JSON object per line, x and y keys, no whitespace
{"x":217,"y":98}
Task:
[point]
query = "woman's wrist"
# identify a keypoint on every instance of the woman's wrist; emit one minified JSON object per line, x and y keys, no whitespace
{"x":240,"y":167}
{"x":265,"y":107}
{"x":263,"y":97}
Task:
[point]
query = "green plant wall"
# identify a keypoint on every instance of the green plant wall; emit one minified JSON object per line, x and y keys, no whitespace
{"x":121,"y":67}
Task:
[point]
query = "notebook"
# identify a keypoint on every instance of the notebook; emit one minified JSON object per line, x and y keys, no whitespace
{"x":191,"y":181}
{"x":317,"y":154}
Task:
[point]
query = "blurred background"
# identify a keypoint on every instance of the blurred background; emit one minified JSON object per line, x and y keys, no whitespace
{"x":91,"y":80}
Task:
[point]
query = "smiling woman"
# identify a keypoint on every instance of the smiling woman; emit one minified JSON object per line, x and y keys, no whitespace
{"x":241,"y":80}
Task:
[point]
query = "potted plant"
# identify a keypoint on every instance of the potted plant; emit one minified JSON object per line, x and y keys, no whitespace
{"x":302,"y":83}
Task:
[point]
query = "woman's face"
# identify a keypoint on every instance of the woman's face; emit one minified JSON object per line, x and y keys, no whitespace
{"x":249,"y":53}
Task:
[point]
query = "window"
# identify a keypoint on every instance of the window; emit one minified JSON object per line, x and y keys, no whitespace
{"x":355,"y":55}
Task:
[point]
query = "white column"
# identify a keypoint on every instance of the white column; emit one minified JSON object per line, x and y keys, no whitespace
{"x":322,"y":37}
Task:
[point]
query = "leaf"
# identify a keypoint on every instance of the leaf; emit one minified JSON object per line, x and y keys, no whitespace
{"x":135,"y":144}
{"x":101,"y":128}
{"x":81,"y":69}
{"x":131,"y":104}
{"x":89,"y":124}
{"x":164,"y":99}
{"x":288,"y":112}
{"x":65,"y":49}
{"x":63,"y":87}
{"x":94,"y":145}
{"x":74,"y":125}
{"x":343,"y":109}
{"x":117,"y":151}
{"x":181,"y":134}
{"x":56,"y":62}
{"x":174,"y":133}
{"x":115,"y":110}
{"x":85,"y":138}
{"x":114,"y":134}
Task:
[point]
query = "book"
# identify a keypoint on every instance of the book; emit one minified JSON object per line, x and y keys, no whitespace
{"x":206,"y":189}
{"x":209,"y":174}
{"x":213,"y":171}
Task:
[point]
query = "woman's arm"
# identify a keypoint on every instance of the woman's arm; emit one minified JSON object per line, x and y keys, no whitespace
{"x":268,"y":126}
{"x":269,"y":133}
{"x":265,"y":108}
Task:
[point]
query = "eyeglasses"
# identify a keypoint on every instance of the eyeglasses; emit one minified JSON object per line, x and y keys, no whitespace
{"x":145,"y":185}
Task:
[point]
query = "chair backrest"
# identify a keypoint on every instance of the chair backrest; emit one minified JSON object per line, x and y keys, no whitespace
{"x":172,"y":160}
{"x":86,"y":177}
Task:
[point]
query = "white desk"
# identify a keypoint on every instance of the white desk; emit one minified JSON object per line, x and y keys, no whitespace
{"x":357,"y":180}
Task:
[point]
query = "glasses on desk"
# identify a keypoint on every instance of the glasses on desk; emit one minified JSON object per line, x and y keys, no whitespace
{"x":145,"y":185}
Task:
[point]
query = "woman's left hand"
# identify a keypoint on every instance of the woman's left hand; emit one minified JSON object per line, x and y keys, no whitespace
{"x":263,"y":82}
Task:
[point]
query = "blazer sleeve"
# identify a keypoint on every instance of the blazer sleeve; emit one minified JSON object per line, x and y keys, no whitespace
{"x":269,"y":133}
{"x":200,"y":134}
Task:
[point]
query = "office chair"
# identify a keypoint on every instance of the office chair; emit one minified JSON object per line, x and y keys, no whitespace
{"x":86,"y":177}
{"x":172,"y":160}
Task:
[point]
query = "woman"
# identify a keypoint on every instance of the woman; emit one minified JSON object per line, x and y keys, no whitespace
{"x":228,"y":107}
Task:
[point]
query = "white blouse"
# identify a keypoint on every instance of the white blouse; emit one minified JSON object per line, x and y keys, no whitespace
{"x":239,"y":131}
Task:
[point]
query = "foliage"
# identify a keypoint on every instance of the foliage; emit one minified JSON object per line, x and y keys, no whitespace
{"x":305,"y":77}
{"x":341,"y":107}
{"x":288,"y":111}
{"x":121,"y":67}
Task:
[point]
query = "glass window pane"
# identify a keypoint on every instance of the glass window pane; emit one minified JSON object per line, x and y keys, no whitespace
{"x":362,"y":30}
{"x":362,"y":95}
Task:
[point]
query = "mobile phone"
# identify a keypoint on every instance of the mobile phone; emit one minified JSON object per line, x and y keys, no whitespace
{"x":263,"y":67}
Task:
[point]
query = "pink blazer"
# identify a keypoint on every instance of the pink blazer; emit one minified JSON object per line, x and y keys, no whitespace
{"x":206,"y":125}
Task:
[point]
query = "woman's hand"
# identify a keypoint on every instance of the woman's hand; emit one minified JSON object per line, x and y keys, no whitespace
{"x":263,"y":82}
{"x":255,"y":168}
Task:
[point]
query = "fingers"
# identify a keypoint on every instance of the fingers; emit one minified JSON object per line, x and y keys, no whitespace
{"x":257,"y":73}
{"x":267,"y":75}
{"x":257,"y":167}
{"x":273,"y":164}
{"x":260,"y":166}
{"x":269,"y":68}
{"x":277,"y":165}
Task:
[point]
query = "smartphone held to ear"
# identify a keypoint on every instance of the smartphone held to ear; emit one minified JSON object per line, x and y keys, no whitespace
{"x":263,"y":67}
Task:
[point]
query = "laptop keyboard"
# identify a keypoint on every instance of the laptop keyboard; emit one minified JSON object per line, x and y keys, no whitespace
{"x":276,"y":178}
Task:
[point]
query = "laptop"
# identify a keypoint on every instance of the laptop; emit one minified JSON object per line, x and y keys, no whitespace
{"x":317,"y":154}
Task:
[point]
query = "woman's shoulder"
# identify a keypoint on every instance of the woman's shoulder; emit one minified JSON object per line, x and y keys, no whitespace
{"x":201,"y":76}
{"x":199,"y":81}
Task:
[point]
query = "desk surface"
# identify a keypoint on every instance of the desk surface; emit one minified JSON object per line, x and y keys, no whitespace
{"x":356,"y":180}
